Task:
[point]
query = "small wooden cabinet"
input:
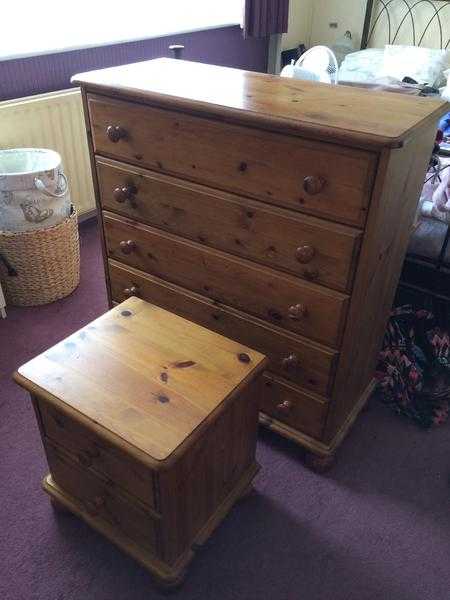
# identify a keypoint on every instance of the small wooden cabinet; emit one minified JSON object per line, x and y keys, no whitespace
{"x":149,"y":426}
{"x":274,"y":211}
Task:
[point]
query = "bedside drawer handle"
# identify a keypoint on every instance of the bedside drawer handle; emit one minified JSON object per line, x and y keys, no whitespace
{"x":115,"y":133}
{"x":284,"y":406}
{"x":133,"y":290}
{"x":126,"y":192}
{"x":127,"y":246}
{"x":297,"y":312}
{"x":305,"y":253}
{"x":313,"y":184}
{"x":290,"y":362}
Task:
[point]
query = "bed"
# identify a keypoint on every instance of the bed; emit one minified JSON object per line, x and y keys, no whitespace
{"x":424,"y":26}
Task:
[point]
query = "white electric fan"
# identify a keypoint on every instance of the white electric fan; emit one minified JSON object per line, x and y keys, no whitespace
{"x":317,"y":64}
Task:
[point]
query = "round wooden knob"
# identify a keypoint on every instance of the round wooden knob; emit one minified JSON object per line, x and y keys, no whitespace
{"x":304,"y":253}
{"x":313,"y":184}
{"x":99,"y":501}
{"x":297,"y":312}
{"x":133,"y":290}
{"x":126,"y":192}
{"x":284,"y":406}
{"x":290,"y":362}
{"x":127,"y":246}
{"x":84,"y":459}
{"x":115,"y":133}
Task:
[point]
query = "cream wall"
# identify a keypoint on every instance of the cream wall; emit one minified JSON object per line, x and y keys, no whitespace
{"x":309,"y":21}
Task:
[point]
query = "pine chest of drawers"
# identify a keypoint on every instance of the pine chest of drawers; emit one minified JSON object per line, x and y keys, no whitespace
{"x":149,"y":425}
{"x":274,"y":211}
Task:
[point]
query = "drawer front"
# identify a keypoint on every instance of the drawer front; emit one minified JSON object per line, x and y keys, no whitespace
{"x":308,"y":247}
{"x":299,"y":306}
{"x":99,"y":500}
{"x":96,"y":455}
{"x":317,"y":178}
{"x":293,"y":406}
{"x":301,"y":361}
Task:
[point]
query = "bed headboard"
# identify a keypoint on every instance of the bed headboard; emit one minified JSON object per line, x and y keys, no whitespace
{"x":411,"y":22}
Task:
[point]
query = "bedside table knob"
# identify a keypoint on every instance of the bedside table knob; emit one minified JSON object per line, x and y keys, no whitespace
{"x":284,"y":406}
{"x":127,"y":246}
{"x":290,"y":362}
{"x":297,"y":312}
{"x":126,"y":192}
{"x":115,"y":133}
{"x":133,"y":290}
{"x":305,"y":253}
{"x":313,"y":184}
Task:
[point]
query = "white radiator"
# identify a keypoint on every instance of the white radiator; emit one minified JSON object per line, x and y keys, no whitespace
{"x":54,"y":120}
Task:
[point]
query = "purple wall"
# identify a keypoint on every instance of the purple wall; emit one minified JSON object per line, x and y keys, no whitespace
{"x":39,"y":74}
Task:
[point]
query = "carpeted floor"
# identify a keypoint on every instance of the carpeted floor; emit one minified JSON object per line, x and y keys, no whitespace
{"x":376,"y":527}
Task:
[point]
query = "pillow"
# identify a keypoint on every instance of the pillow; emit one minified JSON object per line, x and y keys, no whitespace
{"x":425,"y":65}
{"x":362,"y":66}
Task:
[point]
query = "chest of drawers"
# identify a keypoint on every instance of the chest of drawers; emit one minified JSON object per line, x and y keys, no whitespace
{"x":274,"y":211}
{"x":149,"y":425}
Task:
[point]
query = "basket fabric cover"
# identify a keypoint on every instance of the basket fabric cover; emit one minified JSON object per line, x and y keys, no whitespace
{"x":414,"y":367}
{"x":47,"y":263}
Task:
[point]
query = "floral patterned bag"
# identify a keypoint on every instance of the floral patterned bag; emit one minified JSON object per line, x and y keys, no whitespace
{"x":413,"y":371}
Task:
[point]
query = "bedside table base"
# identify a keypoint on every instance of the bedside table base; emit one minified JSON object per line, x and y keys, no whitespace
{"x":166,"y":576}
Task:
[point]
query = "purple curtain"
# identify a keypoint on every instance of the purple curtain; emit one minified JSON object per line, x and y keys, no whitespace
{"x":265,"y":17}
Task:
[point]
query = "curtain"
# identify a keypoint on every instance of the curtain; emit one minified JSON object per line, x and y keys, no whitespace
{"x":265,"y":17}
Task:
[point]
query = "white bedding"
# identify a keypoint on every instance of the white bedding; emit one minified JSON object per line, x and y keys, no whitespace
{"x":393,"y":63}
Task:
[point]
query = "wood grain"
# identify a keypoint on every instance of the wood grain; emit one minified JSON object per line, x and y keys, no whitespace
{"x":237,"y":225}
{"x":348,"y":115}
{"x":149,"y":398}
{"x":232,"y":281}
{"x":398,"y":187}
{"x":314,"y":367}
{"x":238,"y":159}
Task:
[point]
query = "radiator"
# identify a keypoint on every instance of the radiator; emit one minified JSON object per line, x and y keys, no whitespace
{"x":55,"y":121}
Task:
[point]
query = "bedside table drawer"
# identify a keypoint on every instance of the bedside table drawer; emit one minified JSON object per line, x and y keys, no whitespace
{"x":100,"y":500}
{"x":96,"y":455}
{"x":311,"y":310}
{"x":308,"y":247}
{"x":331,"y":181}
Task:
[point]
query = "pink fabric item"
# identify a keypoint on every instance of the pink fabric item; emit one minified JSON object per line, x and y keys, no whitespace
{"x":441,"y":195}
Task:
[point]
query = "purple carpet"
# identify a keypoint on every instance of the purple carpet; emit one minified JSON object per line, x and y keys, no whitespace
{"x":376,"y":528}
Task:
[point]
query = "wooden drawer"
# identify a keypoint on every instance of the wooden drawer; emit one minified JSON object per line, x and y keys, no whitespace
{"x":313,"y":177}
{"x":96,"y":455}
{"x":315,"y":250}
{"x":293,"y":406}
{"x":305,"y":308}
{"x":100,"y":500}
{"x":297,"y":359}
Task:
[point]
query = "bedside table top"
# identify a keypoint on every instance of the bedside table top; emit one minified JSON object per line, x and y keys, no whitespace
{"x":144,"y":374}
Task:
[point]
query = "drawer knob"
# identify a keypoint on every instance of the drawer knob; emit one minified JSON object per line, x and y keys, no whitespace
{"x":290,"y":362}
{"x":305,"y":253}
{"x":115,"y":133}
{"x":126,"y":192}
{"x":84,"y":459}
{"x":297,"y":312}
{"x":313,"y":184}
{"x":284,"y":406}
{"x":133,"y":290}
{"x":127,"y":246}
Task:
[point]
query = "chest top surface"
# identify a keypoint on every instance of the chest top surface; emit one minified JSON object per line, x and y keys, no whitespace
{"x":334,"y":113}
{"x":143,"y":373}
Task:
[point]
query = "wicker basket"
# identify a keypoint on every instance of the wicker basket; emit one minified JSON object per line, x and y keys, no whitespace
{"x":40,"y":266}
